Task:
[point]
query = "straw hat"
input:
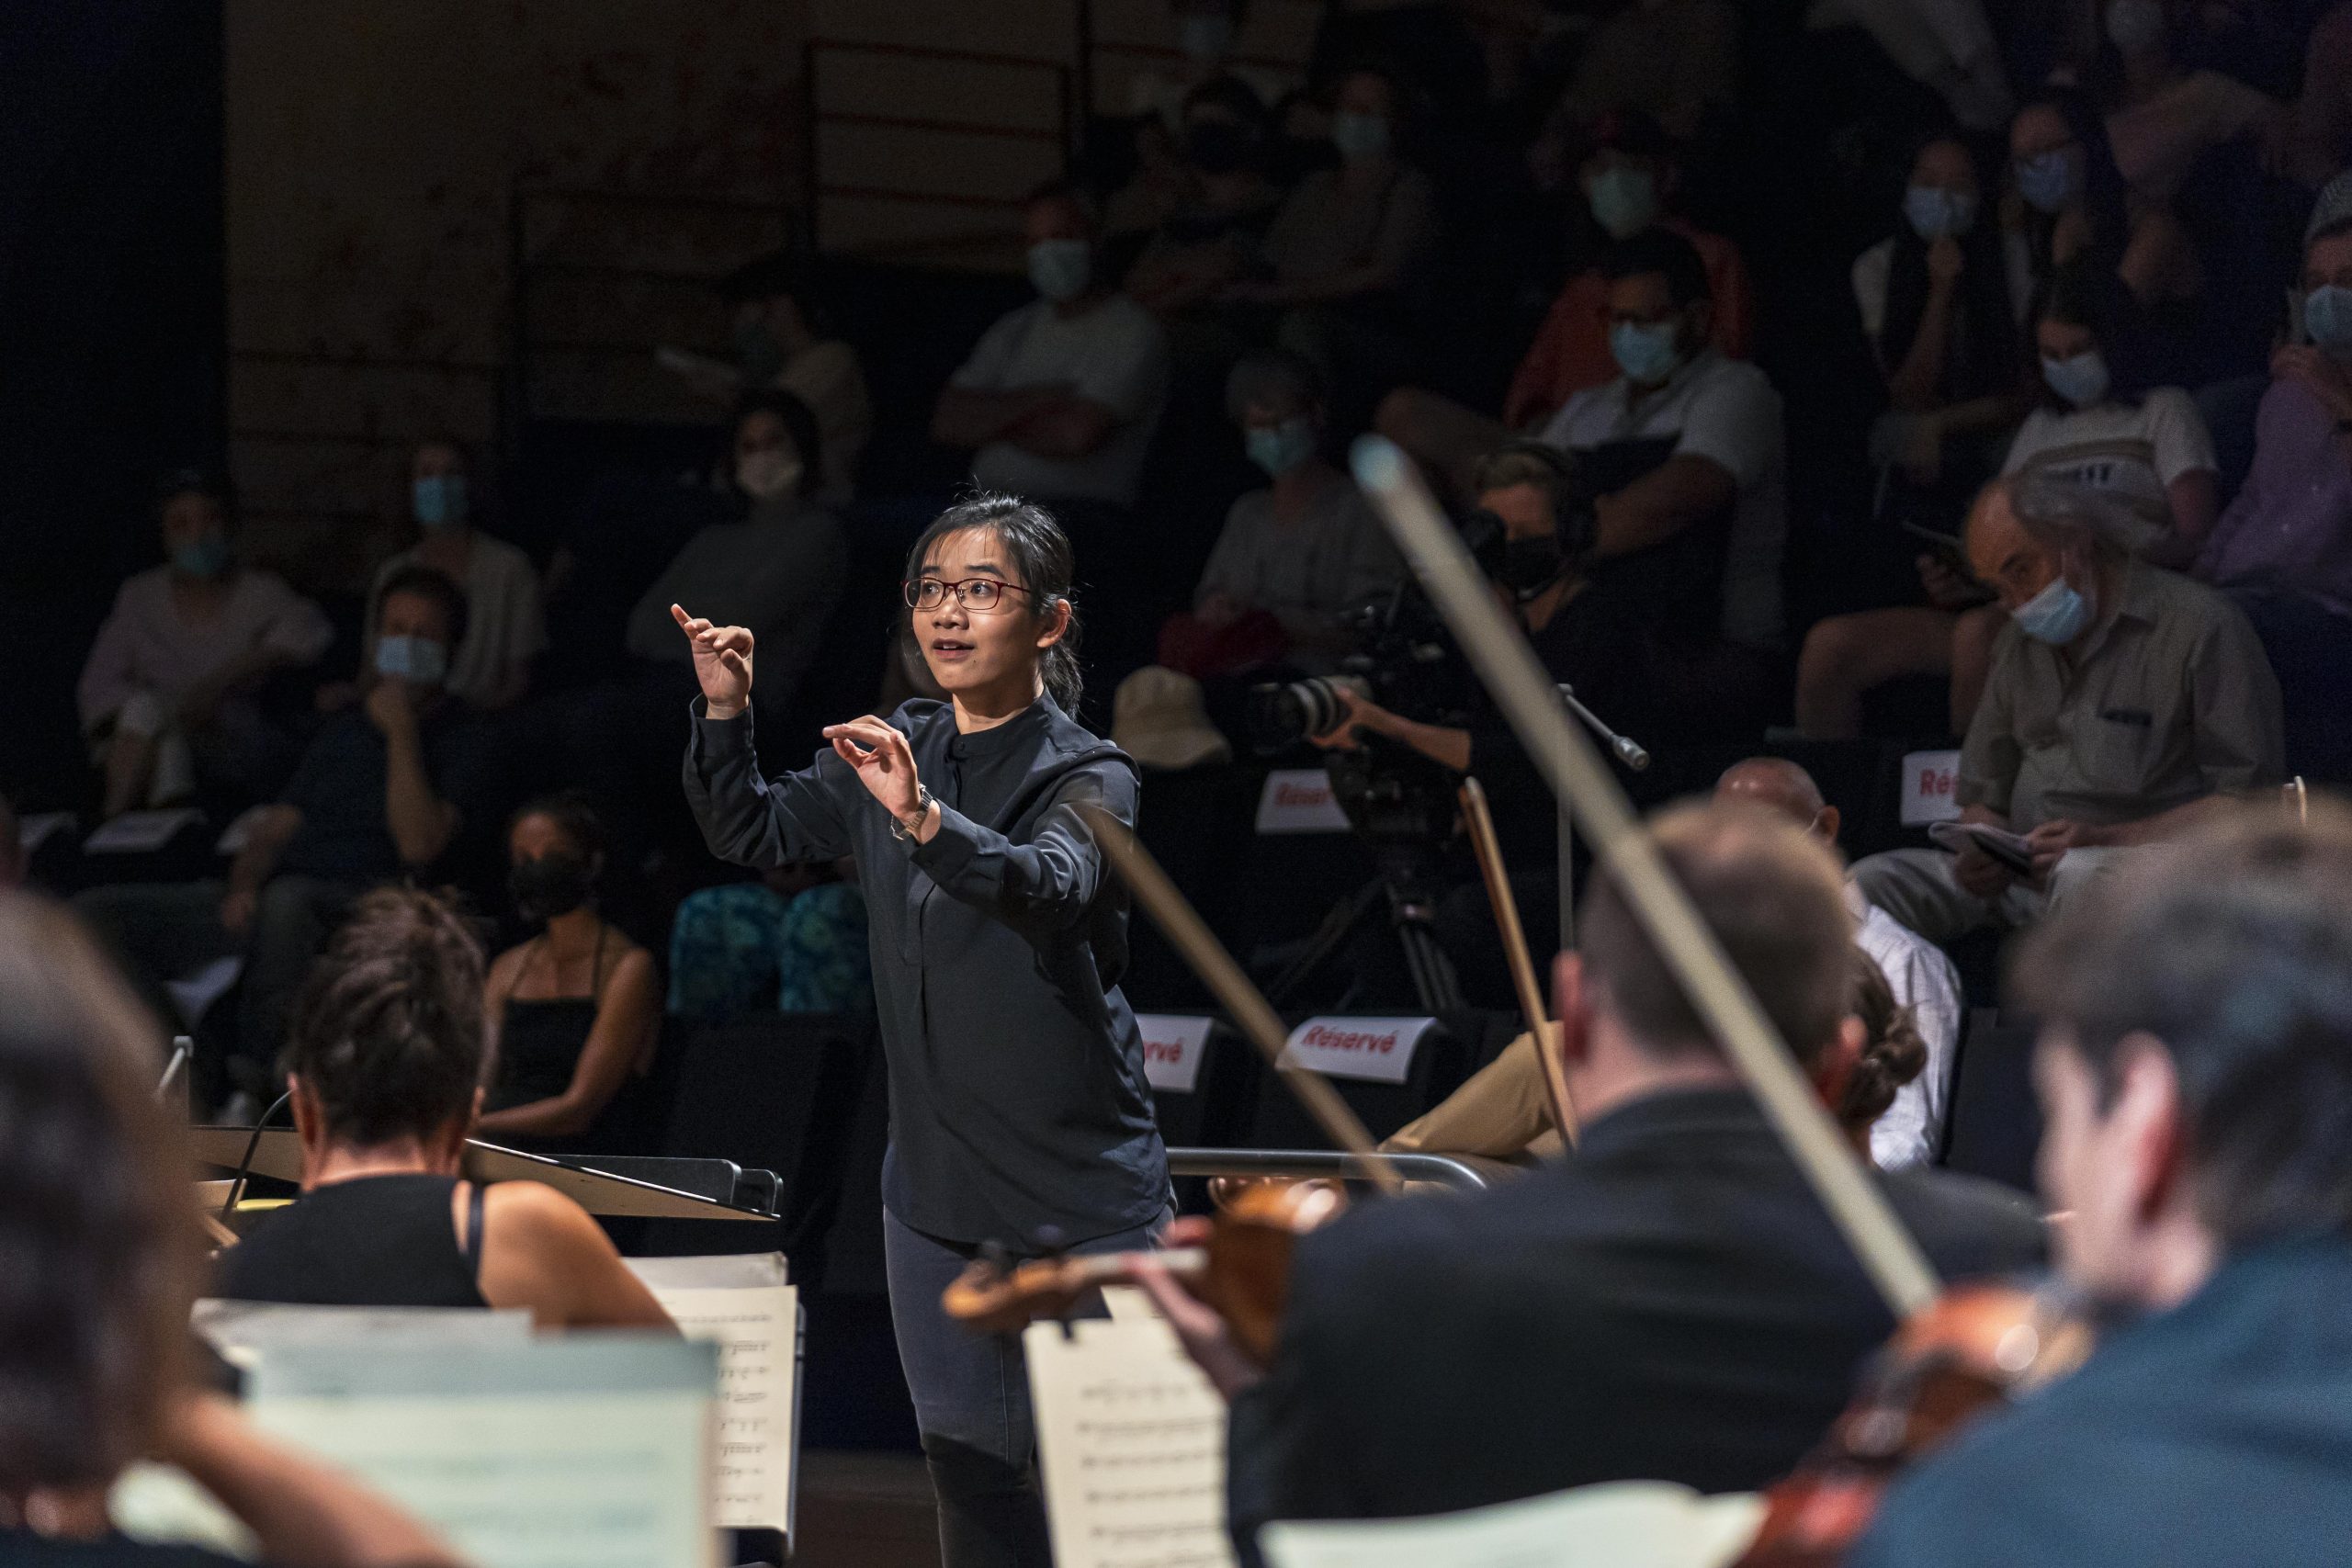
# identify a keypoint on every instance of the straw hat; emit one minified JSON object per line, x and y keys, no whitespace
{"x":1159,"y":719}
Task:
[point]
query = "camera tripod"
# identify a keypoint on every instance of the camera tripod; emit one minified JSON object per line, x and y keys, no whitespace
{"x":1407,"y":884}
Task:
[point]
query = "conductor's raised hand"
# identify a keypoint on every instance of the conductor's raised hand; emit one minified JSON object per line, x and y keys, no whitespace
{"x":722,"y":662}
{"x":885,"y":764}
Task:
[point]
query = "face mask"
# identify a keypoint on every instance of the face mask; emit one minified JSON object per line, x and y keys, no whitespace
{"x":1279,"y":448}
{"x":758,"y":353}
{"x":1216,"y":148}
{"x":438,"y":501}
{"x":2050,"y":181}
{"x":1358,"y":136}
{"x":1529,"y":566}
{"x":420,"y":660}
{"x":206,"y":557}
{"x":1060,"y":269}
{"x":2135,"y":26}
{"x":2055,"y":616}
{"x":2081,"y":380}
{"x":1646,"y":352}
{"x":768,"y":473}
{"x":1205,"y":37}
{"x":1936,"y":213}
{"x":2327,"y":317}
{"x":555,"y":883}
{"x":1623,"y":200}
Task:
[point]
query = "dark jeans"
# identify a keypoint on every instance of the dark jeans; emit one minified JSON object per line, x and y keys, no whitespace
{"x":971,"y":1394}
{"x":162,"y":931}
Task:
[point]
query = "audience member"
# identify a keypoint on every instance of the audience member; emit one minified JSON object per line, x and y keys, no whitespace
{"x":783,"y":342}
{"x":1218,"y":233}
{"x":1891,"y":1059}
{"x":1677,"y":61}
{"x":2283,"y":550}
{"x":2163,"y":117}
{"x":2192,"y":1071}
{"x":1909,"y":1129}
{"x":103,"y":1261}
{"x":573,"y":1014}
{"x":1351,"y":244}
{"x":379,"y":793}
{"x":2077,"y":208}
{"x":1587,"y":633}
{"x":1684,"y":452}
{"x":2144,"y":448}
{"x":1946,"y":45}
{"x":170,"y":695}
{"x":793,"y":942}
{"x":1628,"y":180}
{"x":2125,"y":704}
{"x":1293,"y":557}
{"x":385,"y":1069}
{"x":777,"y":566}
{"x":1718,"y":1314}
{"x":505,"y":615}
{"x":1059,"y":398}
{"x":1204,"y":33}
{"x":2323,"y":117}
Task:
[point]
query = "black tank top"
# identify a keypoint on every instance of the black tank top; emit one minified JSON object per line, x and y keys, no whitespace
{"x":375,"y":1241}
{"x":539,"y":1041}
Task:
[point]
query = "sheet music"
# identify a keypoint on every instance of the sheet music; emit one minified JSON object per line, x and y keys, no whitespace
{"x":135,"y":832}
{"x":1131,"y":1442}
{"x":241,"y":1331}
{"x":589,"y":1452}
{"x":1654,"y":1524}
{"x":742,"y":1306}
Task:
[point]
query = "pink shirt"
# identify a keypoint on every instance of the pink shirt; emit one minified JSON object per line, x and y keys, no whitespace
{"x":2290,"y":527}
{"x":146,"y":645}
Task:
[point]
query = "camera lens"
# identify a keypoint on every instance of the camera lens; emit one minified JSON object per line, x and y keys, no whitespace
{"x":1283,"y":714}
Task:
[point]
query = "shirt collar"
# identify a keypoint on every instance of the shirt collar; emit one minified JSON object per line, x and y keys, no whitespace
{"x":2135,"y":600}
{"x":1690,"y":1118}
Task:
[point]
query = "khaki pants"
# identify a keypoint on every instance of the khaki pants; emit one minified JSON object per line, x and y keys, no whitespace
{"x":1916,"y":888}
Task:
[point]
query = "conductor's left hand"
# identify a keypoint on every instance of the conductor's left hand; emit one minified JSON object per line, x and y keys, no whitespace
{"x":885,"y":765}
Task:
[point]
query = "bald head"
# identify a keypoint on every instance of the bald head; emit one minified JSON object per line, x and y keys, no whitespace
{"x":1783,"y":788}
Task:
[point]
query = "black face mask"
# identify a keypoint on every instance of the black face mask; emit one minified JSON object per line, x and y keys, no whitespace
{"x":555,"y":883}
{"x":1216,"y":148}
{"x":1529,"y":566}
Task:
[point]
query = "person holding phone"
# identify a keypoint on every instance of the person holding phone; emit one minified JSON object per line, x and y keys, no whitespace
{"x":2125,"y":704}
{"x":1019,"y":1115}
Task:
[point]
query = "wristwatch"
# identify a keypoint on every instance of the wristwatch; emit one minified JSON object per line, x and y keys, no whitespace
{"x":924,"y":801}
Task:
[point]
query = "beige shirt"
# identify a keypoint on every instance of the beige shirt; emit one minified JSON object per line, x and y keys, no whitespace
{"x":2171,"y":700}
{"x":1501,"y":1114}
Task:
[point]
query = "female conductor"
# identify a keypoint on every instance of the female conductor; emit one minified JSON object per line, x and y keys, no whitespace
{"x":1019,"y":1112}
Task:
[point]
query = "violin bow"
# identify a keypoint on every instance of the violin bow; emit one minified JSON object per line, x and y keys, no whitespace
{"x":1242,"y":1001}
{"x":1490,"y":850}
{"x":1503,"y":659}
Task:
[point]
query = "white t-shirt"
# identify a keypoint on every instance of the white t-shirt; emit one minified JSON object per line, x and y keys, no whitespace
{"x":1115,"y":355}
{"x":1923,"y":979}
{"x":2132,"y":451}
{"x":1724,"y":411}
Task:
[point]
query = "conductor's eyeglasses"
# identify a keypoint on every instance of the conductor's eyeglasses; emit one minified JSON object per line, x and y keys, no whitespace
{"x":978,"y":593}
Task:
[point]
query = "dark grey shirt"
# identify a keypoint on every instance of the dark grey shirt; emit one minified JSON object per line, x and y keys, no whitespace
{"x":1017,"y":1091}
{"x":2172,"y":700}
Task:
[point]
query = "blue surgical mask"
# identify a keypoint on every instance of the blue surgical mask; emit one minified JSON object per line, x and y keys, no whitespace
{"x":1358,"y":135}
{"x":206,"y":557}
{"x":2081,"y":380}
{"x":1645,"y":351}
{"x":1279,"y":448}
{"x":2136,"y":27}
{"x":420,"y":660}
{"x":2050,"y":181}
{"x":1936,"y":213}
{"x":438,"y":501}
{"x":1204,"y":36}
{"x":2055,"y":616}
{"x":1060,"y":269}
{"x":1623,"y":200}
{"x":2327,"y":317}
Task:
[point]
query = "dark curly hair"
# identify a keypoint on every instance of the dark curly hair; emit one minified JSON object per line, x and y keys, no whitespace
{"x":98,"y":1256}
{"x":388,"y":1033}
{"x":1893,"y":1052}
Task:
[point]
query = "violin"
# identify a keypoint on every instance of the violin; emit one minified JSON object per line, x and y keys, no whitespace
{"x":1242,"y":1270}
{"x":1972,"y":1350}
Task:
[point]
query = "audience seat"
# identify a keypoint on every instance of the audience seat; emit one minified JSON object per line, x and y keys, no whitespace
{"x":1994,"y":1126}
